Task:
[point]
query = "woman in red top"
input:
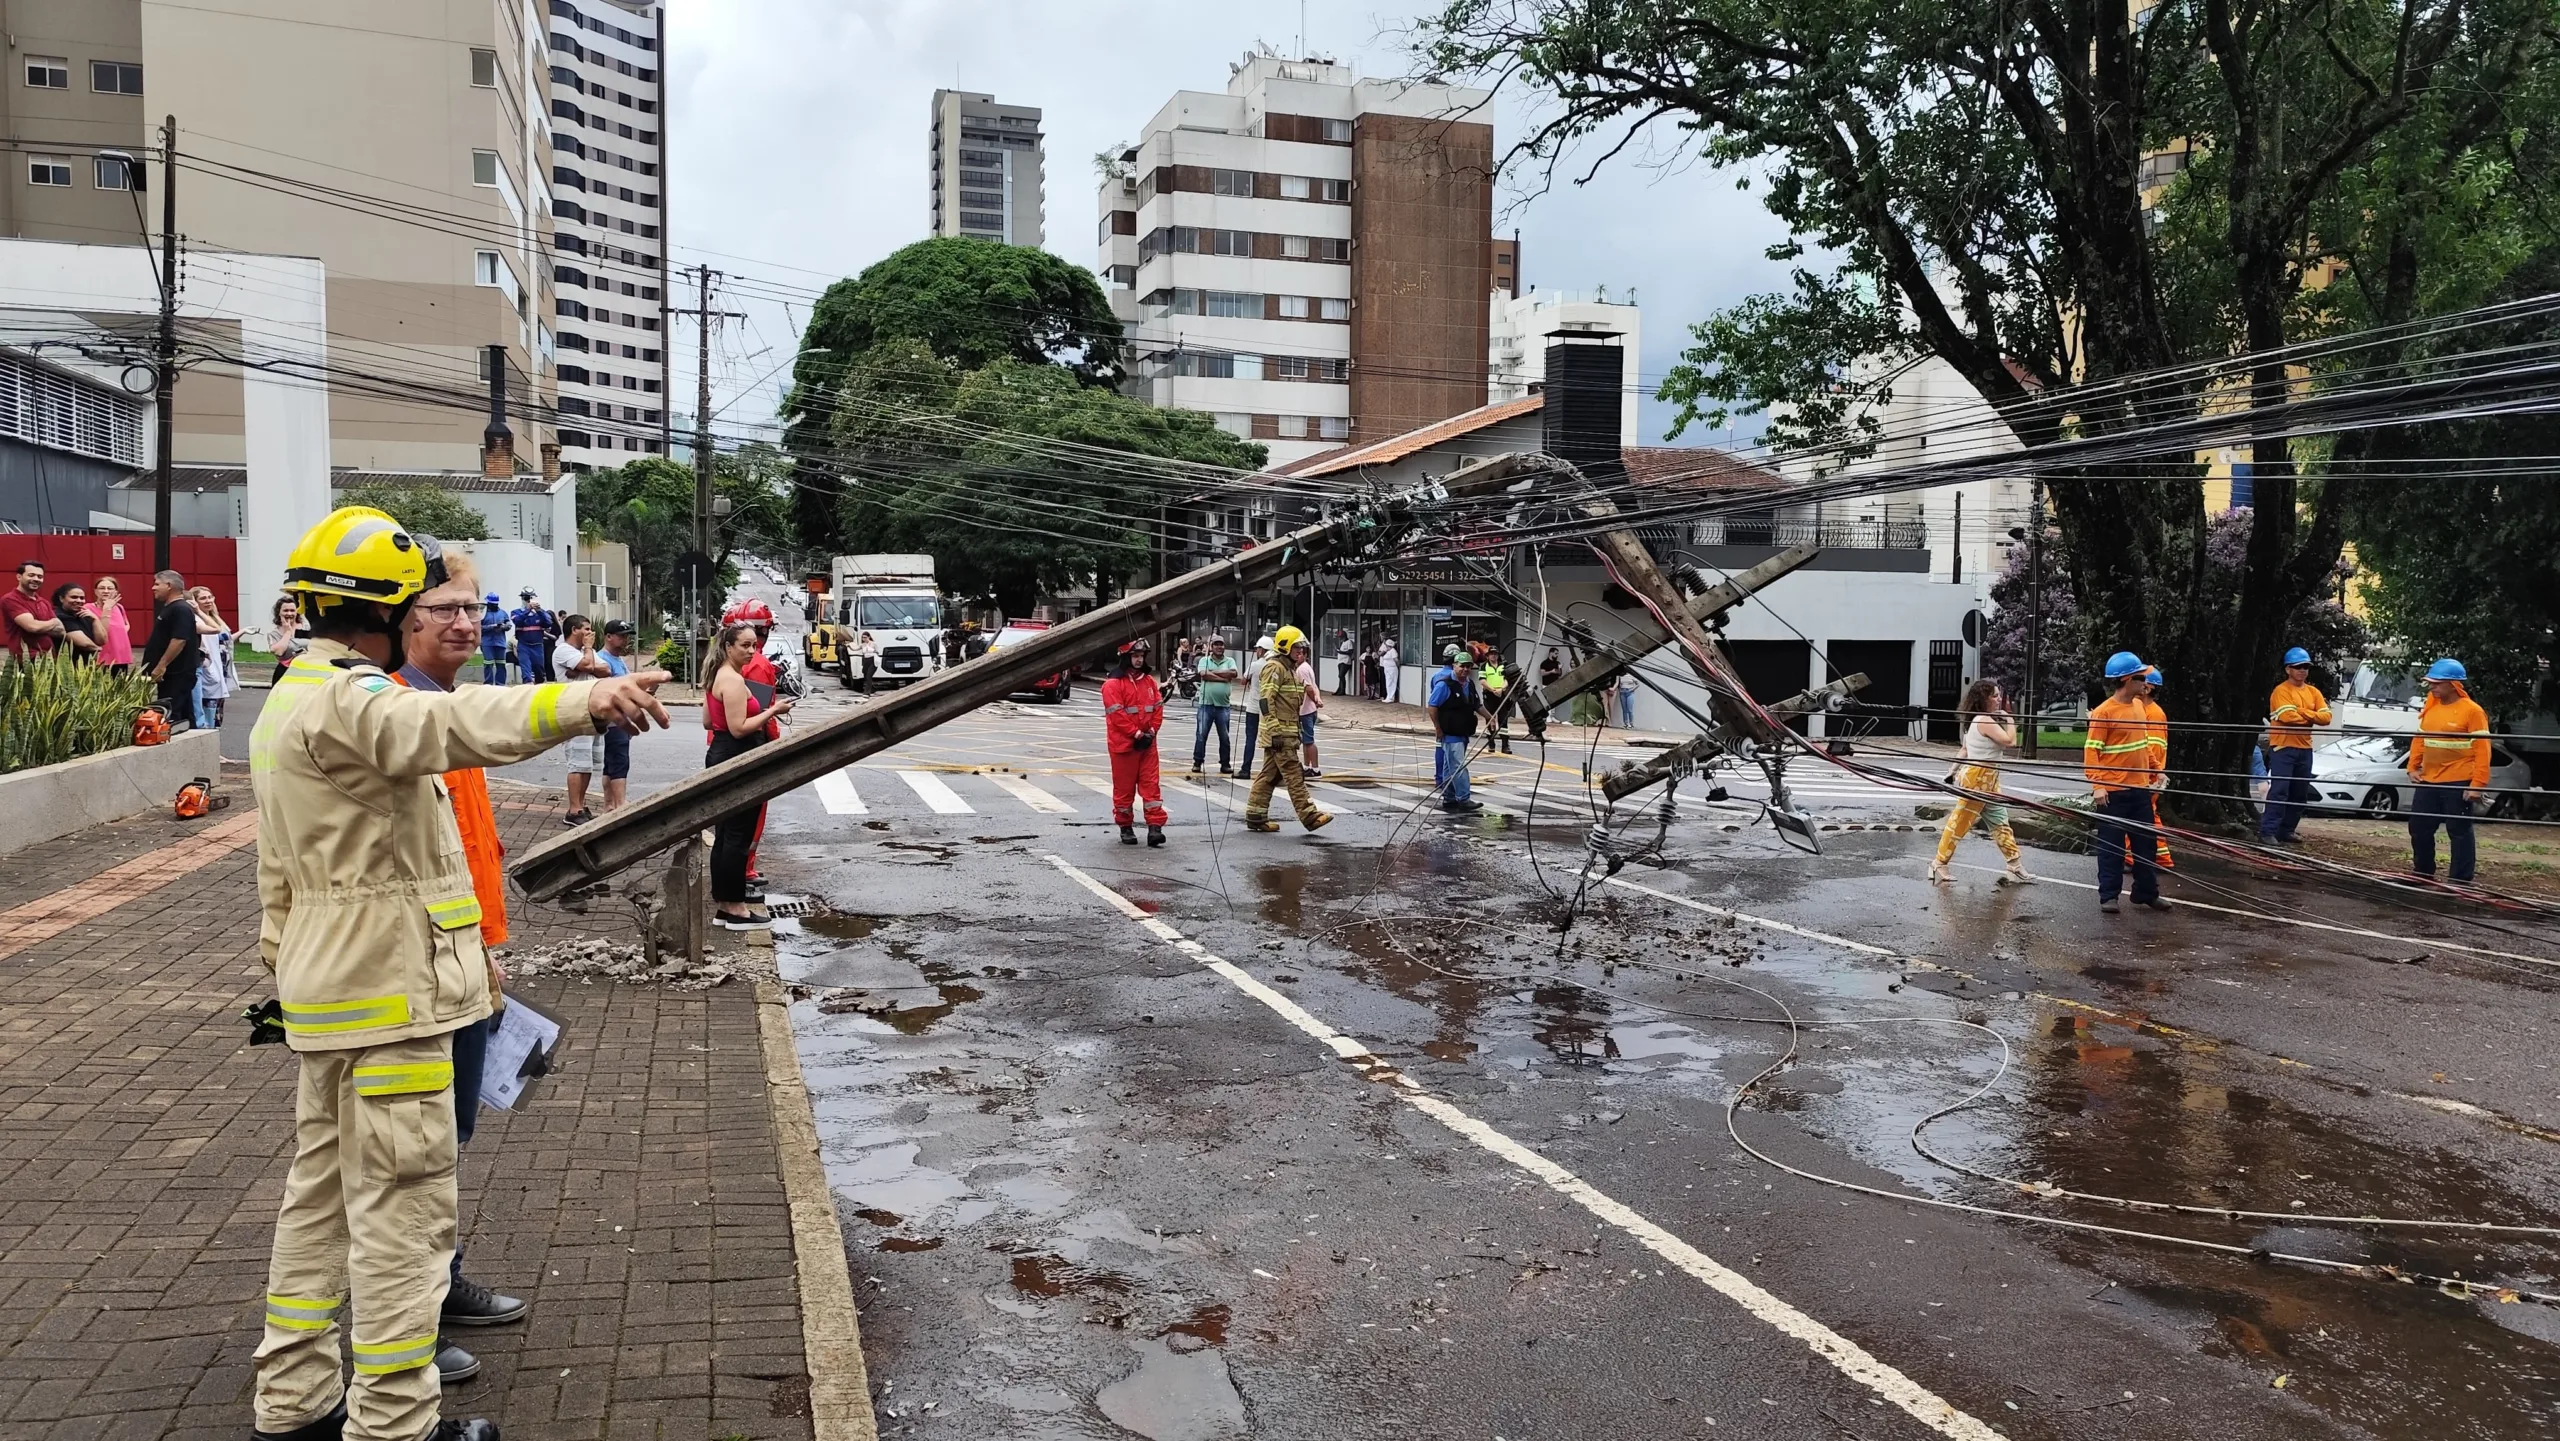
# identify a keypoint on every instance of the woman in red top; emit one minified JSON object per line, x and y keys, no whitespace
{"x":737,"y":715}
{"x":1132,"y":712}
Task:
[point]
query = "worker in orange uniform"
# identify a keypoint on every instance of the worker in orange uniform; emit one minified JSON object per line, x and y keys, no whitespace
{"x":2450,"y":763}
{"x":2126,"y":761}
{"x":2293,"y":708}
{"x":442,"y":638}
{"x":1132,"y":713}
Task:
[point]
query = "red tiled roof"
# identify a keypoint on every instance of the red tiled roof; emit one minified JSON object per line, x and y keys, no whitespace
{"x":1397,"y":447}
{"x":1694,"y":468}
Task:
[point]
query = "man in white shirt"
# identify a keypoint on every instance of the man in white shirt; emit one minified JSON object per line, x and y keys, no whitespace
{"x":575,"y":659}
{"x":1388,"y":661}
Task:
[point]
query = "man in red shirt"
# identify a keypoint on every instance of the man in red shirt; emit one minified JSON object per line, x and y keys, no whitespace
{"x":32,"y":628}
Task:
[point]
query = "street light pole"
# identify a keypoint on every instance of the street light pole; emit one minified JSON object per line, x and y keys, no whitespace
{"x":166,"y":435}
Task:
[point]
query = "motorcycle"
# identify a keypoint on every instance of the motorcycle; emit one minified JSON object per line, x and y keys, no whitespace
{"x":787,"y":679}
{"x":1186,"y":682}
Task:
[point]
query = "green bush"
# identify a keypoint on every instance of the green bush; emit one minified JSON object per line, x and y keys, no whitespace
{"x":52,"y":710}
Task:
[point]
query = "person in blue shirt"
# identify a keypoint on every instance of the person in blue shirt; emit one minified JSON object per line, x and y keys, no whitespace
{"x":618,"y":641}
{"x":1431,"y":688}
{"x":493,"y":642}
{"x":533,"y":628}
{"x":1455,"y":705}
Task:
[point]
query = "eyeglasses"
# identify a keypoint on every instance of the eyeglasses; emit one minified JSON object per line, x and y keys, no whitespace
{"x":448,"y":614}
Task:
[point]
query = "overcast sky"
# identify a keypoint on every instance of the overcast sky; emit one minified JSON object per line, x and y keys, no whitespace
{"x":797,"y":133}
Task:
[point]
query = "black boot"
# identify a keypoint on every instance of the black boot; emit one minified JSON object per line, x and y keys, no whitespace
{"x":1128,"y":835}
{"x":327,"y":1428}
{"x":469,"y":1303}
{"x":1155,"y":835}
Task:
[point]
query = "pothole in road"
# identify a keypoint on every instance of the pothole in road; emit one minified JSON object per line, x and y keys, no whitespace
{"x":1176,"y":1396}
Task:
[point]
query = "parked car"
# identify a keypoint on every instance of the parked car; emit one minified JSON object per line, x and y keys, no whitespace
{"x":1054,"y":688}
{"x":2369,"y":774}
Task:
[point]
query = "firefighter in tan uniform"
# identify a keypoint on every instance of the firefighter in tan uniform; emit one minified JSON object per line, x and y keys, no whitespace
{"x":372,"y":930}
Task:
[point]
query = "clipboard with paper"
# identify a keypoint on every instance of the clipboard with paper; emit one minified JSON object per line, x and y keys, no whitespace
{"x":521,"y":1047}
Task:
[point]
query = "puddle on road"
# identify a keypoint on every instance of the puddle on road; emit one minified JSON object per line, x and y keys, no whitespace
{"x":1205,"y":1326}
{"x":877,"y":1217}
{"x":1448,"y":1050}
{"x":843,"y":927}
{"x":1048,"y":1276}
{"x":1176,"y":1396}
{"x":909,"y":1243}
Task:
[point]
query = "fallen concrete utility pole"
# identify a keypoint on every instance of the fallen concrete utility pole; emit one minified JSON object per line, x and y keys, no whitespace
{"x":632,"y":834}
{"x":1637,"y":572}
{"x":1698,"y":750}
{"x":1646,"y":637}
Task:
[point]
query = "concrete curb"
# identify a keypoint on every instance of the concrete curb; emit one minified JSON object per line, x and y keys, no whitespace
{"x":49,"y":802}
{"x":830,"y":1328}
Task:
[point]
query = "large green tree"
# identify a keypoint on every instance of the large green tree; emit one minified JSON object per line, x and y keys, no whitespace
{"x":1017,"y":478}
{"x":1966,"y":181}
{"x":968,"y":302}
{"x":426,"y":509}
{"x":648,"y":505}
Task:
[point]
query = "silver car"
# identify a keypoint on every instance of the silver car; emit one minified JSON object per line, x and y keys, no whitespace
{"x":2369,"y":774}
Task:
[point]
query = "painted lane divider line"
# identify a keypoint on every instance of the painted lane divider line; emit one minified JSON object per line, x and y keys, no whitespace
{"x":930,"y":789}
{"x":1031,"y":795}
{"x":836,"y":793}
{"x":1846,"y":1356}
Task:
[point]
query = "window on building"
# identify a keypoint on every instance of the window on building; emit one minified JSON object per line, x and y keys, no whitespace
{"x":1287,"y":367}
{"x":1295,"y":187}
{"x":110,"y":174}
{"x":484,"y":68}
{"x":1231,"y":182}
{"x":484,"y":167}
{"x":1249,"y":367}
{"x":1338,"y":131}
{"x":48,"y":72}
{"x":649,"y":387}
{"x":991,"y":178}
{"x":1332,"y":309}
{"x":1334,"y":427}
{"x":1333,"y":190}
{"x":989,"y":199}
{"x":1293,"y":427}
{"x":485,"y":267}
{"x":975,"y":220}
{"x":1233,"y":304}
{"x":649,"y":355}
{"x":1231,"y":242}
{"x":1335,"y":370}
{"x":1293,"y":307}
{"x":1325,"y":248}
{"x":1239,"y":425}
{"x":48,"y":170}
{"x":1123,"y":276}
{"x":561,"y":306}
{"x":114,"y":77}
{"x":576,"y":374}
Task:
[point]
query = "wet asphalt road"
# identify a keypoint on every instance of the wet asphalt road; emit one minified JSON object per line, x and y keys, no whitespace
{"x":1095,"y":1187}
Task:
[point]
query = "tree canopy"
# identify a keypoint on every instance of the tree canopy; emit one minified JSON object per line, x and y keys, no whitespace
{"x":647,"y":504}
{"x":424,"y":509}
{"x":966,"y":302}
{"x":2054,"y":193}
{"x":1015,"y":477}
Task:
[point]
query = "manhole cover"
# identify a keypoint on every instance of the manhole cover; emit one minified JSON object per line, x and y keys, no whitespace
{"x":797,"y":910}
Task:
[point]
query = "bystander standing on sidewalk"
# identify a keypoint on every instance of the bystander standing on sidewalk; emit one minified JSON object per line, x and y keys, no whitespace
{"x":1627,"y":699}
{"x":869,"y":653}
{"x":1346,"y":652}
{"x":287,"y":635}
{"x":1253,"y":699}
{"x":1218,"y":674}
{"x":1390,"y":669}
{"x":115,"y":630}
{"x":79,"y":626}
{"x":1455,"y":703}
{"x":175,"y":649}
{"x":219,"y":673}
{"x":442,"y":638}
{"x":1303,"y":657}
{"x":619,"y":637}
{"x":32,"y":627}
{"x":738,"y":717}
{"x":576,"y":660}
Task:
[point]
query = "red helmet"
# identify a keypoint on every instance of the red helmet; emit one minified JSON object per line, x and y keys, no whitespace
{"x":748,"y":612}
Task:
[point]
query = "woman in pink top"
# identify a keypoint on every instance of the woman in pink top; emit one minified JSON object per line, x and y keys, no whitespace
{"x":115,"y":640}
{"x":1304,"y":655}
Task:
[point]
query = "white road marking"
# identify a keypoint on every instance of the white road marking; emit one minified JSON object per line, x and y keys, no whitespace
{"x":929,"y":787}
{"x":1843,"y":942}
{"x":1180,"y":788}
{"x":1850,"y":1359}
{"x":1030,"y":795}
{"x":836,"y":793}
{"x":2343,"y":930}
{"x":1097,"y":786}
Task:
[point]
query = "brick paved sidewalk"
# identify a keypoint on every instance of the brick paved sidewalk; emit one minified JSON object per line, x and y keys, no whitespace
{"x":637,"y":1200}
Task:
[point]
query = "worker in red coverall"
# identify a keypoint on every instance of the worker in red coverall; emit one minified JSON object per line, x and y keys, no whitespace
{"x":761,"y":679}
{"x":1133,"y":711}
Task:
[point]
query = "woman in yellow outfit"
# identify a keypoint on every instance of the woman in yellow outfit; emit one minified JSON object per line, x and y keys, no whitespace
{"x":1987,"y":736}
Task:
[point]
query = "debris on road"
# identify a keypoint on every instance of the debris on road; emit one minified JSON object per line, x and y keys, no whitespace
{"x":592,"y":960}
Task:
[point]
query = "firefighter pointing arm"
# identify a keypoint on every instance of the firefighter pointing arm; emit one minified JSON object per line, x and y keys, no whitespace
{"x":372,"y":929}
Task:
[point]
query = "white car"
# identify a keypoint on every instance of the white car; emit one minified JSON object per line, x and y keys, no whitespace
{"x":2370,"y":774}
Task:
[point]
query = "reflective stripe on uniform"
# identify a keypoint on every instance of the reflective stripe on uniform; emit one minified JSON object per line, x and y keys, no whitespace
{"x":546,"y":712}
{"x":420,"y":1078}
{"x":325,"y":1017}
{"x":454,"y":914}
{"x":2117,"y":750}
{"x":395,"y":1356}
{"x":302,"y":1313}
{"x":2449,"y":743}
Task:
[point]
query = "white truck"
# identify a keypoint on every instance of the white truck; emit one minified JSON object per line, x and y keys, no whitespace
{"x":895,"y":599}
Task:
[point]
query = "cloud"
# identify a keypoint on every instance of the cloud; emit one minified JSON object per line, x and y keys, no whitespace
{"x":796,"y":153}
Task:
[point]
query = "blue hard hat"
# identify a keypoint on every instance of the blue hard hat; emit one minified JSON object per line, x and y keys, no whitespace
{"x":2152,"y":674}
{"x":2447,"y":669}
{"x":2123,"y":663}
{"x":2297,"y":656}
{"x":493,"y":598}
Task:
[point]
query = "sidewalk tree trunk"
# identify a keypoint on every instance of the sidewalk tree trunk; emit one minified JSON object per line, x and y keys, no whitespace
{"x":1969,"y":183}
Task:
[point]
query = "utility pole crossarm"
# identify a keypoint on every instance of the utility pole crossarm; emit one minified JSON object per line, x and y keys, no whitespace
{"x":1636,"y":570}
{"x":1646,"y":637}
{"x":625,"y":837}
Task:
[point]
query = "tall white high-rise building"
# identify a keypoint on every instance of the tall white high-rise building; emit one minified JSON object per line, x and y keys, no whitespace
{"x":609,"y":209}
{"x":1307,"y":255}
{"x":987,"y":162}
{"x":1523,"y":324}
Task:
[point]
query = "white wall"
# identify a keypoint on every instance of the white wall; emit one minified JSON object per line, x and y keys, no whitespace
{"x":280,"y":303}
{"x":508,"y":566}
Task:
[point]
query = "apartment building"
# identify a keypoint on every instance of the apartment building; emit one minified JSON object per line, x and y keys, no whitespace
{"x":410,"y":154}
{"x":1524,"y":326}
{"x":987,"y":164}
{"x":609,"y":218}
{"x":1306,"y":255}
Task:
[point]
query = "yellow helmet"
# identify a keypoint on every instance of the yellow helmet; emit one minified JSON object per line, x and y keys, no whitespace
{"x":359,"y":553}
{"x":1287,"y":636}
